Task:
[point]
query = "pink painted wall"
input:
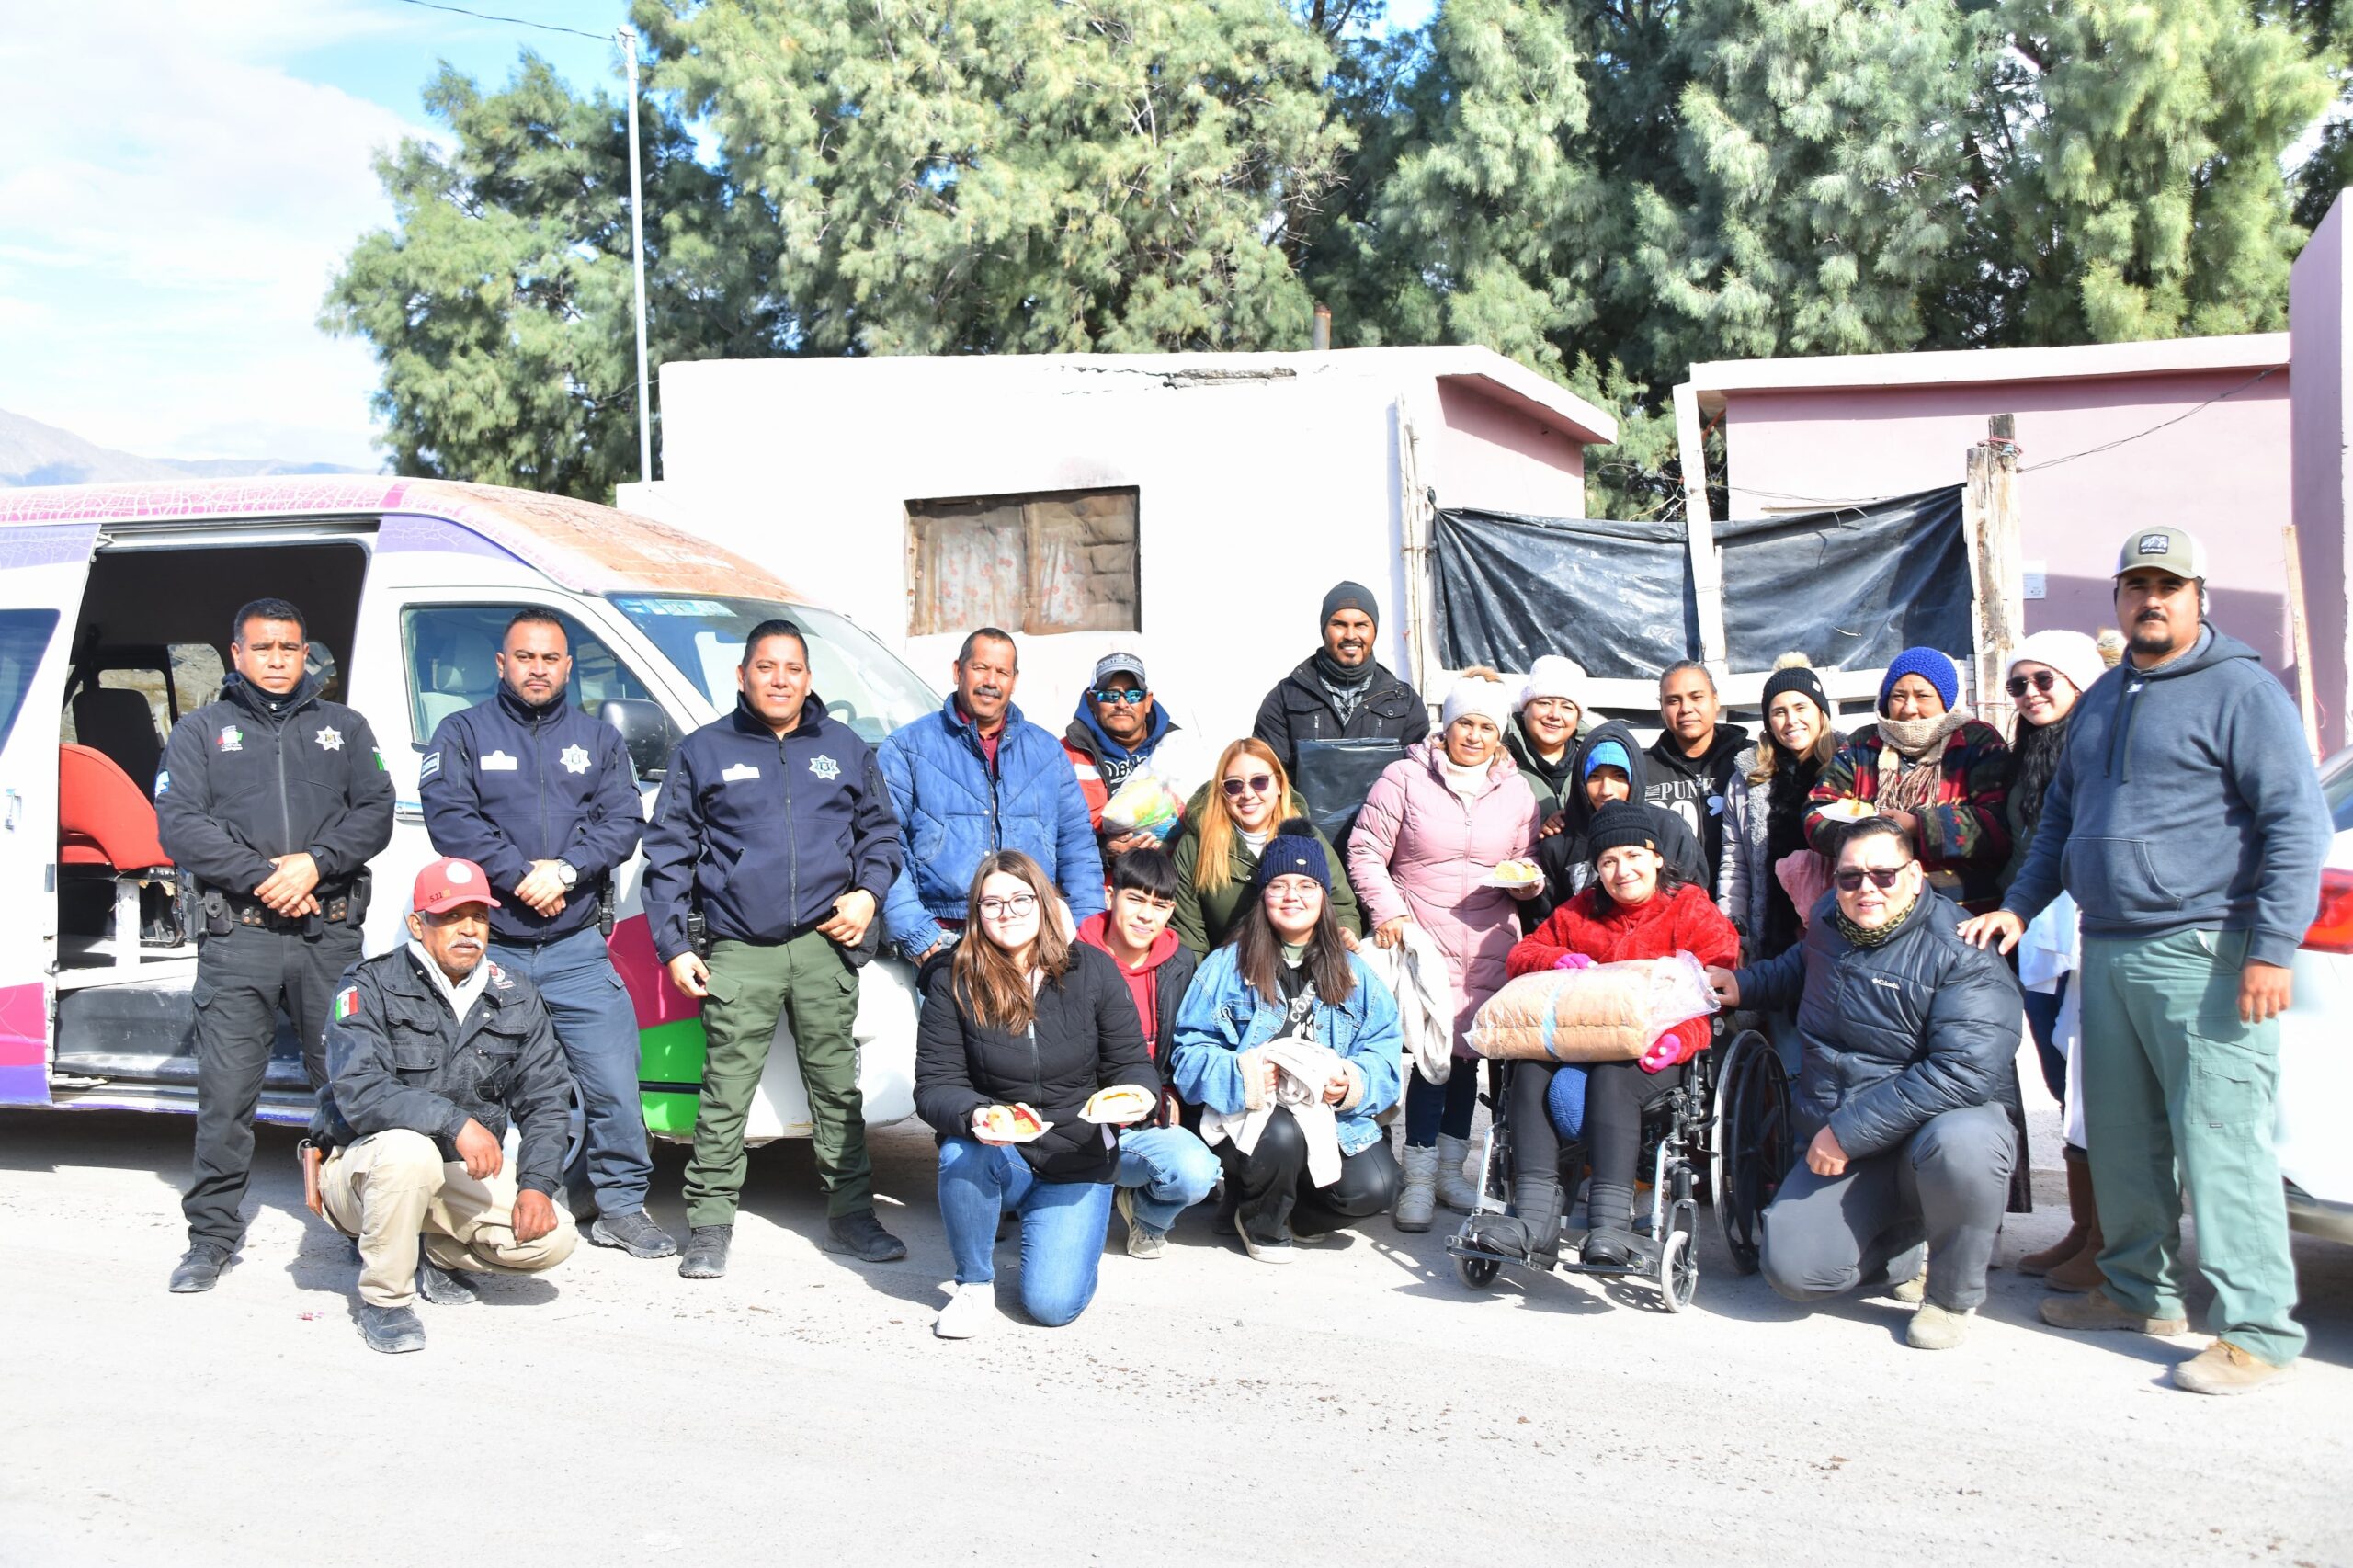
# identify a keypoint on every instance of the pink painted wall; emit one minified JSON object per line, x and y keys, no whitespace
{"x":2224,"y":474}
{"x":1493,"y":456}
{"x":2316,"y":327}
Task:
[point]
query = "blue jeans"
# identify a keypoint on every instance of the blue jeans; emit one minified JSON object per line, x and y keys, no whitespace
{"x":1170,"y":1170}
{"x":596,"y":1025}
{"x":1062,"y":1226}
{"x":1432,"y":1108}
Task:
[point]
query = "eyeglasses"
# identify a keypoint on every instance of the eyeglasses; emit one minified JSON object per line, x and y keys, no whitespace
{"x":1019,"y":905}
{"x":1882,"y":877}
{"x":2041,"y":679}
{"x":1257,"y":784}
{"x":1130,"y":694}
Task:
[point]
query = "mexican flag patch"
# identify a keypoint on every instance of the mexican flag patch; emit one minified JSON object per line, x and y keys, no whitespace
{"x":346,"y":1004}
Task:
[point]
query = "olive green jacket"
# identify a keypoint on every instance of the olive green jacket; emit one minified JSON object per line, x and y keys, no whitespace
{"x":1203,"y":918}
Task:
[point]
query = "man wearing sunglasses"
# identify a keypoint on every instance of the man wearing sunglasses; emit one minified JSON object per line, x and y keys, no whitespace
{"x":2187,"y":819}
{"x":1121,"y":729}
{"x":1911,"y":1039}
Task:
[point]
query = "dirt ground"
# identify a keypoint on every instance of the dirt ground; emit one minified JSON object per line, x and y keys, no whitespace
{"x":1361,"y":1406}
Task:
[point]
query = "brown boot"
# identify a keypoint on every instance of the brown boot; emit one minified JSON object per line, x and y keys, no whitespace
{"x":2223,"y":1368}
{"x":2081,"y":1272}
{"x":2083,"y":1216}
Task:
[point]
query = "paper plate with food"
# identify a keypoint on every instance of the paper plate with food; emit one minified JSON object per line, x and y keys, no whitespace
{"x":1011,"y":1123}
{"x":1849,"y":810}
{"x":1119,"y":1105}
{"x":1516,"y":874}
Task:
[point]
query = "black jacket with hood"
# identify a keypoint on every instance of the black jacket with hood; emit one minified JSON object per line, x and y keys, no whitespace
{"x":1694,"y":787}
{"x":1564,"y":856}
{"x":1299,"y":709}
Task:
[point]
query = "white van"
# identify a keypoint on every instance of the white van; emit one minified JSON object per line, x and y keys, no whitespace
{"x":115,"y":609}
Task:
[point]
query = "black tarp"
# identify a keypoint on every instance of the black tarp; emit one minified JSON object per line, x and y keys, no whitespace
{"x":1849,"y":588}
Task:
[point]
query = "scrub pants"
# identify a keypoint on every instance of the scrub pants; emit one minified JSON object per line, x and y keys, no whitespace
{"x":595,"y":1023}
{"x":2171,"y":1076}
{"x":242,"y":978}
{"x":754,"y":985}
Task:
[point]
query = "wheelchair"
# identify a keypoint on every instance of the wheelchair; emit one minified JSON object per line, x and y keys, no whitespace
{"x":1724,"y":1132}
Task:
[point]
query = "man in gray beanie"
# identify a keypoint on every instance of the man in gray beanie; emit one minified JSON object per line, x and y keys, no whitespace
{"x":1341,"y":692}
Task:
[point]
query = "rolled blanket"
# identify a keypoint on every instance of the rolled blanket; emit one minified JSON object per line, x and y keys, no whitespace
{"x":1612,"y":1011}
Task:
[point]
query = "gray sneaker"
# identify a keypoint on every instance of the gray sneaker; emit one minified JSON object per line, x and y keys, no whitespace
{"x":635,"y":1234}
{"x":861,"y":1236}
{"x":443,"y":1286}
{"x":705,"y":1256}
{"x":392,"y":1330}
{"x":1143,"y":1240}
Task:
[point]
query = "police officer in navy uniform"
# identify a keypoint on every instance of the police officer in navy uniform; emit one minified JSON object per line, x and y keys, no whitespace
{"x":542,"y":798}
{"x":775,"y":826}
{"x":274,"y":799}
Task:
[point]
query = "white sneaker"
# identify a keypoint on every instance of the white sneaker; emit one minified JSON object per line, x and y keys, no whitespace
{"x":1455,"y":1189}
{"x":1143,"y":1240}
{"x":970,"y":1311}
{"x":1262,"y":1252}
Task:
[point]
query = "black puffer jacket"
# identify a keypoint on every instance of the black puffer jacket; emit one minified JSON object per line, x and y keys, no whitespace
{"x":1893,"y":1035}
{"x":1086,"y":1038}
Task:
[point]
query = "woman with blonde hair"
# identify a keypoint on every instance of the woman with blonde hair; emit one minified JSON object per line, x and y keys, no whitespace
{"x":1766,"y":809}
{"x":1228,"y":824}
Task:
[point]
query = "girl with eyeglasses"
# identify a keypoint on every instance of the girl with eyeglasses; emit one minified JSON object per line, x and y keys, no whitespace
{"x":1228,"y":824}
{"x":1026,"y":1019}
{"x":2049,"y":673}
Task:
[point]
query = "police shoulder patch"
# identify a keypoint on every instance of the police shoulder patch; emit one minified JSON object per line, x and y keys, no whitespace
{"x":499,"y":977}
{"x":346,"y":1004}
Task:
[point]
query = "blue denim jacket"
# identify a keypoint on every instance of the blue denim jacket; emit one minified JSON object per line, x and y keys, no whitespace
{"x":1222,"y":1018}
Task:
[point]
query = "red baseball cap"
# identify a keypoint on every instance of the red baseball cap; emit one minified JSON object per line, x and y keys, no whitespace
{"x":448,"y":883}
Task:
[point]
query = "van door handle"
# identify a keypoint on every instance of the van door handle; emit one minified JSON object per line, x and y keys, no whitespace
{"x":15,"y":809}
{"x":403,"y":812}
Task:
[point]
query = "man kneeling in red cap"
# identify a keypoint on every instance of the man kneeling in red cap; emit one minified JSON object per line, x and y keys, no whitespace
{"x":429,"y":1049}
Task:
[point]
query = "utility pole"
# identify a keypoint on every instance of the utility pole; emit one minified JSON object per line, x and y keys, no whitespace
{"x":627,"y":36}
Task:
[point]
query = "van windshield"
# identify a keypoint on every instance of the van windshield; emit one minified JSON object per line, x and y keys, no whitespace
{"x":864,"y":684}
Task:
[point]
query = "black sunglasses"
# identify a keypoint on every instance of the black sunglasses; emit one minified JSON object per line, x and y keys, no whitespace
{"x":1130,"y":694}
{"x":1852,"y":881}
{"x":2042,"y":680}
{"x":1257,"y":784}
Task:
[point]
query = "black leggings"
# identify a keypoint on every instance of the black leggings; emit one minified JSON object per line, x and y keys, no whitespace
{"x":1616,"y":1095}
{"x":1271,"y":1186}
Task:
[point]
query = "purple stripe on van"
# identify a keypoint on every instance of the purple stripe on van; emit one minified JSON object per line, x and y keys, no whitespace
{"x":23,"y":1028}
{"x":48,"y":544}
{"x":24,"y":1086}
{"x":404,"y":532}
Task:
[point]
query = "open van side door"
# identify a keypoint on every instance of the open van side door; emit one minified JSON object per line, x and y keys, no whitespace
{"x":43,"y":568}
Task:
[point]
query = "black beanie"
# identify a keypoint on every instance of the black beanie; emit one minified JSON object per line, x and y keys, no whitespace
{"x":1799,"y":678}
{"x":1295,"y":851}
{"x":1349,"y":595}
{"x":1620,"y":824}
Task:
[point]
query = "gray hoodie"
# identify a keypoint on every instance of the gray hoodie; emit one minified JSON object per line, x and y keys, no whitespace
{"x":2185,"y":800}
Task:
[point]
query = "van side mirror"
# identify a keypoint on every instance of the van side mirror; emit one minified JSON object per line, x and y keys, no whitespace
{"x":645,"y":730}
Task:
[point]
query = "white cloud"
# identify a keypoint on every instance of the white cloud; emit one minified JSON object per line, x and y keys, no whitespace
{"x":172,"y":203}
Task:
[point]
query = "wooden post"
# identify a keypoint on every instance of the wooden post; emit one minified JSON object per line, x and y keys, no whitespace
{"x":1997,"y":572}
{"x":1416,"y":524}
{"x":2302,"y":640}
{"x":1699,"y":531}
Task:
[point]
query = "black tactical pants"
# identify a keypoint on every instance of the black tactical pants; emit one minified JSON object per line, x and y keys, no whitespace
{"x":242,"y":981}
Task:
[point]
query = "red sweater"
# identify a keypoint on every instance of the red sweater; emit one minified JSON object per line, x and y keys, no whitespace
{"x":1685,"y":920}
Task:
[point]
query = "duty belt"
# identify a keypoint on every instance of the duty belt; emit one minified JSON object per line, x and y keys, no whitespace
{"x":335,"y":911}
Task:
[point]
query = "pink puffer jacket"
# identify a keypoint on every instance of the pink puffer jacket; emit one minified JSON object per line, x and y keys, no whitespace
{"x":1419,"y":849}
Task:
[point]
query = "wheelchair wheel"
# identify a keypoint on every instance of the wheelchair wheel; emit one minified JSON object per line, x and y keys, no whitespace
{"x":1477,"y":1272}
{"x":1679,"y":1271}
{"x":1748,"y":1143}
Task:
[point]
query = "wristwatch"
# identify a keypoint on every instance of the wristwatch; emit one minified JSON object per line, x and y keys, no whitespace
{"x":567,"y":874}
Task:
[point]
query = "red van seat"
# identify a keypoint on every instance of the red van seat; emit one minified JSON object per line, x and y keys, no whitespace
{"x":103,"y":819}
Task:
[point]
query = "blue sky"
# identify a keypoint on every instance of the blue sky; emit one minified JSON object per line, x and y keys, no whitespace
{"x":169,"y":220}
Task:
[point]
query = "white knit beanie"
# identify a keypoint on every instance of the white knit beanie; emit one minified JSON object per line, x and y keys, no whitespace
{"x":2072,"y":653}
{"x":1491,"y":699}
{"x":1554,"y":676}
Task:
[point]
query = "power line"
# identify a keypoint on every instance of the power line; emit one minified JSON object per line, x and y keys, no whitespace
{"x":1843,"y":501}
{"x":515,"y":21}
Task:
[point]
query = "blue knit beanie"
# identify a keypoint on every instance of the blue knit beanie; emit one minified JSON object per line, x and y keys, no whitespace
{"x":1609,"y":753}
{"x":1295,"y":851}
{"x":1931,"y":665}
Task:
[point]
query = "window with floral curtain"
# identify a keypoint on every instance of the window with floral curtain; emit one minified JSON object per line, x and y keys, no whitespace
{"x":1062,"y":561}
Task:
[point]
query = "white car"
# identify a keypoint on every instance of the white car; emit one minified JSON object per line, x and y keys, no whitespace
{"x":2316,"y":1039}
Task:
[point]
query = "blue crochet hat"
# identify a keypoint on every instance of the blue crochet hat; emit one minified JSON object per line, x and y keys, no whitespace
{"x":1930,"y":664}
{"x":1295,"y":851}
{"x":1609,"y":753}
